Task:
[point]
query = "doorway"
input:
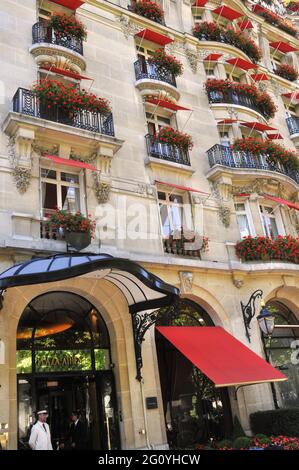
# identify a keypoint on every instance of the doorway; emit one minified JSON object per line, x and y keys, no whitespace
{"x":64,"y":365}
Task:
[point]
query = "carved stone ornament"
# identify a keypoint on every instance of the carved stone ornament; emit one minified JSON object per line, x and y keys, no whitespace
{"x":192,"y":58}
{"x":128,"y":28}
{"x":101,"y":188}
{"x":257,"y":186}
{"x":186,"y":278}
{"x":20,"y":155}
{"x":224,"y":211}
{"x":238,"y":283}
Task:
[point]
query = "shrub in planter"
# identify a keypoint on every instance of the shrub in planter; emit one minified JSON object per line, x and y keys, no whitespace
{"x":67,"y":26}
{"x":242,"y":443}
{"x":287,"y":71}
{"x":276,"y":422}
{"x":68,"y":97}
{"x":168,"y":135}
{"x":166,"y":62}
{"x":69,"y":222}
{"x":150,"y":10}
{"x":224,"y":444}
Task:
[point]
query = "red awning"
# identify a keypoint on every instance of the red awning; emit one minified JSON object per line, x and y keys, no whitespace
{"x":258,"y":126}
{"x":294,"y":95}
{"x":274,"y":136}
{"x":241,"y":63}
{"x":153,"y":36}
{"x":227,"y":13}
{"x":245,"y":24}
{"x":259,"y":9}
{"x":290,"y":204}
{"x":220,"y":356}
{"x":71,"y":4}
{"x":227,"y":121}
{"x":66,"y":73}
{"x":168,"y":105}
{"x":183,"y":188}
{"x":67,"y":162}
{"x":282,"y":46}
{"x":259,"y":77}
{"x":199,"y":3}
{"x":212,"y":57}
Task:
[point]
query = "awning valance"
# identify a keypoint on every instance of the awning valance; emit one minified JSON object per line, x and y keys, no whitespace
{"x":259,"y":77}
{"x":167,"y":104}
{"x":241,"y":63}
{"x":220,"y":356}
{"x":66,"y":73}
{"x":153,"y":36}
{"x":282,"y":46}
{"x":199,"y":3}
{"x":274,"y":136}
{"x":245,"y":24}
{"x":69,"y":162}
{"x":182,"y":188}
{"x":258,"y":126}
{"x":212,"y":57}
{"x":227,"y":12}
{"x":71,"y":4}
{"x":290,"y":204}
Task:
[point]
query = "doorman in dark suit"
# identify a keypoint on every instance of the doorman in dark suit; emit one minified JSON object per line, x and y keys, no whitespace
{"x":77,"y":433}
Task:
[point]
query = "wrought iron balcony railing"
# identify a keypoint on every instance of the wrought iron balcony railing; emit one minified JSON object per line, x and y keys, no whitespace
{"x":293,"y":125}
{"x":143,"y":69}
{"x":237,"y":98}
{"x":222,"y":155}
{"x":167,"y":152}
{"x":25,"y":102}
{"x":42,"y":32}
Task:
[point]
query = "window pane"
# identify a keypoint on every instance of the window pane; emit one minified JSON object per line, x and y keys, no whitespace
{"x":175,"y":198}
{"x":46,"y":173}
{"x":70,"y":199}
{"x":49,"y":197}
{"x":165,"y":220}
{"x":162,"y":196}
{"x":70,"y":178}
{"x":273,"y":228}
{"x":176,"y":216}
{"x":240,"y":207}
{"x":243,"y":225}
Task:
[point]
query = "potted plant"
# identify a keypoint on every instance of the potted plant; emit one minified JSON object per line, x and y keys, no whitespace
{"x":283,"y":248}
{"x":149,"y":9}
{"x":166,"y":62}
{"x":78,"y":229}
{"x":66,"y":26}
{"x":287,"y":71}
{"x":168,"y":135}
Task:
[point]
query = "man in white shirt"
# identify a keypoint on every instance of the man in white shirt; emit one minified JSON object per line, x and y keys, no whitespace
{"x":40,"y":437}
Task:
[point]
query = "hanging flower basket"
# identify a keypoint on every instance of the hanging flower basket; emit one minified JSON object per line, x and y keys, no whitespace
{"x":287,"y":71}
{"x":78,"y":229}
{"x":150,"y":10}
{"x":53,"y":93}
{"x":265,"y":249}
{"x":274,"y":152}
{"x":170,"y":136}
{"x":166,"y":62}
{"x":66,"y":26}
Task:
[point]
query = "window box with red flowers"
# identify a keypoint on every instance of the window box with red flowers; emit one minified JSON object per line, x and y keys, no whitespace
{"x":265,"y":249}
{"x":164,"y":62}
{"x":275,"y":20}
{"x":149,"y":9}
{"x":233,"y":92}
{"x":206,"y":31}
{"x":273,"y":152}
{"x":287,"y":71}
{"x":170,"y":136}
{"x":66,"y":26}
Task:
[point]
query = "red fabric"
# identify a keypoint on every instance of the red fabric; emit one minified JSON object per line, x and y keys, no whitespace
{"x":220,"y":356}
{"x":73,"y":163}
{"x":242,"y":195}
{"x":259,"y":9}
{"x":227,"y":121}
{"x":245,"y":24}
{"x":283,"y":46}
{"x":290,"y":204}
{"x":258,"y":126}
{"x":258,"y":77}
{"x":213,"y":57}
{"x":200,"y":3}
{"x":66,"y":73}
{"x":184,"y":188}
{"x":168,"y":105}
{"x":71,"y":4}
{"x":227,"y":13}
{"x":293,"y":95}
{"x":153,"y":36}
{"x":274,"y":136}
{"x":242,"y":63}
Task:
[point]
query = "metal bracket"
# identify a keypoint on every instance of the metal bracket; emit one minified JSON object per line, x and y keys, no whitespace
{"x":248,"y":310}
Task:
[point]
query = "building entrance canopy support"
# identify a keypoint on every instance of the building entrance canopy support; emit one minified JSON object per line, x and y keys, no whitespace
{"x":143,"y":290}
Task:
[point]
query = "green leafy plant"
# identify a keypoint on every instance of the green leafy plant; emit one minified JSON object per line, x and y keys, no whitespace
{"x":282,"y":422}
{"x":238,"y":431}
{"x":242,"y":442}
{"x":67,"y":26}
{"x":167,"y":62}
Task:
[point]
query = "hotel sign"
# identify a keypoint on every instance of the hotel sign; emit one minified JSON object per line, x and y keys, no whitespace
{"x":62,"y":360}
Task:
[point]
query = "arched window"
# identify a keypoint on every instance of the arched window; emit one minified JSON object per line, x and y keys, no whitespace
{"x":281,"y":353}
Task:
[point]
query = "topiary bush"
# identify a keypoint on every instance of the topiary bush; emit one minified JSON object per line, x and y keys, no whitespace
{"x":238,"y":431}
{"x":242,"y":443}
{"x":225,"y":444}
{"x":276,"y":422}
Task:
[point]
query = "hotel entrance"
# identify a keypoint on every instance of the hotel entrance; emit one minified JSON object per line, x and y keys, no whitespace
{"x":64,"y":365}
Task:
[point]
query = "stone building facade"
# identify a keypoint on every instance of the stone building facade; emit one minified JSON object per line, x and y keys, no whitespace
{"x":139,"y":189}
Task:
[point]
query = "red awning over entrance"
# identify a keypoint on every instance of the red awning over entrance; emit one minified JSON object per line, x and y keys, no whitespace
{"x":67,"y":162}
{"x":220,"y":356}
{"x":155,"y":37}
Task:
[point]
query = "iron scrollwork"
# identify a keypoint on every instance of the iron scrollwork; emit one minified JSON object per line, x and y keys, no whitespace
{"x":248,"y":310}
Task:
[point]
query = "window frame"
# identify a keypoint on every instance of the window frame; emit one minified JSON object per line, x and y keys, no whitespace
{"x":276,"y":216}
{"x":247,"y":212}
{"x":187,"y":218}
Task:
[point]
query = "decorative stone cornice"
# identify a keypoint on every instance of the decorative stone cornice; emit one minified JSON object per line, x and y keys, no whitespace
{"x":58,"y":56}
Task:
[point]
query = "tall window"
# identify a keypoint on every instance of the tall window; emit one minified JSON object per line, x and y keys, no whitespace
{"x":155,"y":122}
{"x":59,"y":190}
{"x":269,"y":221}
{"x":174,"y":214}
{"x":243,"y":219}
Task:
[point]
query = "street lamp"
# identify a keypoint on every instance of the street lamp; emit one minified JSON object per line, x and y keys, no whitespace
{"x":266,"y":320}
